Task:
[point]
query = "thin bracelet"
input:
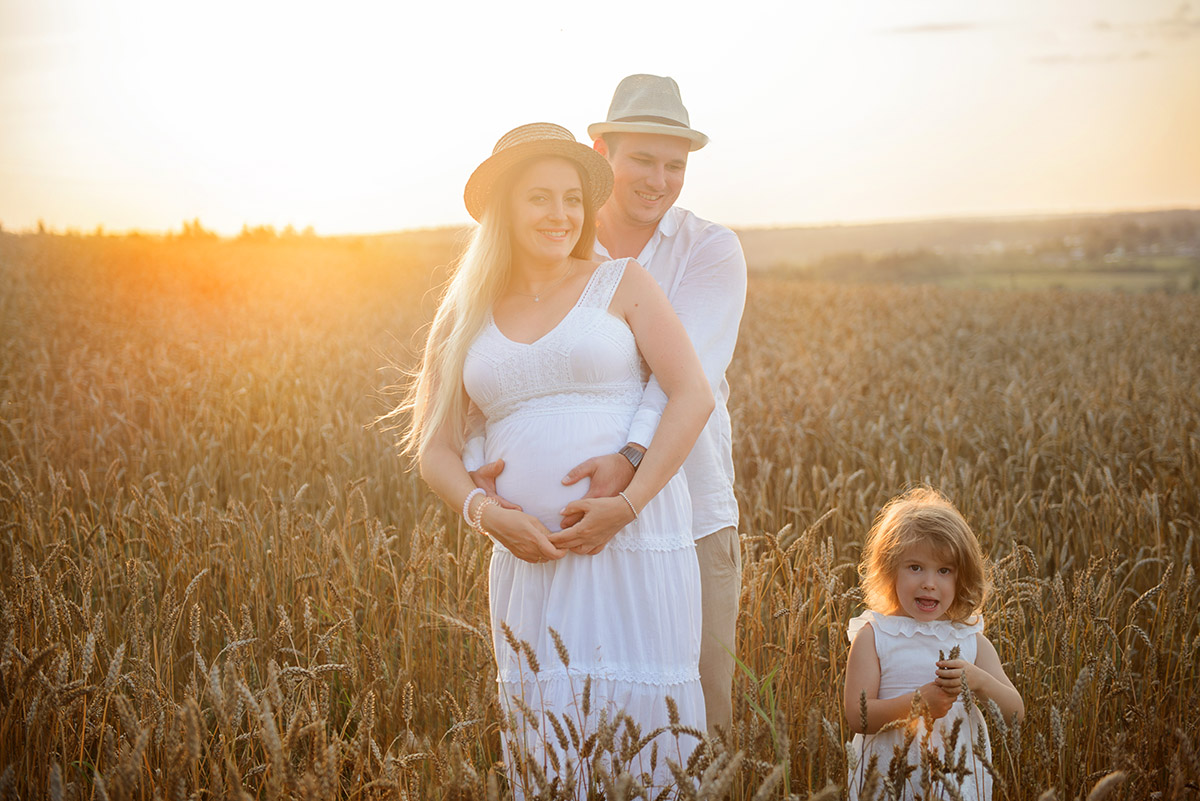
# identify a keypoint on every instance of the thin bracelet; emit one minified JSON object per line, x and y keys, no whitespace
{"x":635,"y":514}
{"x":467,"y":503}
{"x":477,"y":522}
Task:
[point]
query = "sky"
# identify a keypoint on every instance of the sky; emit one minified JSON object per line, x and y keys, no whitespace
{"x":363,"y":117}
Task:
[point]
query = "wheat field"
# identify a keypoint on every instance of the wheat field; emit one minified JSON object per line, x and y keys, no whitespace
{"x":217,"y":579}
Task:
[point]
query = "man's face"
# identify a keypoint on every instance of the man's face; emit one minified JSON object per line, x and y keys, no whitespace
{"x":647,"y":174}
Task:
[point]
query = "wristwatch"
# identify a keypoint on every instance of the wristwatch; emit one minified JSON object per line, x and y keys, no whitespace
{"x":632,"y":454}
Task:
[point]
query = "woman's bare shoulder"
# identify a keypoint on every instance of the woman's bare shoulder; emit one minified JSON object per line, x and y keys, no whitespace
{"x":637,"y":278}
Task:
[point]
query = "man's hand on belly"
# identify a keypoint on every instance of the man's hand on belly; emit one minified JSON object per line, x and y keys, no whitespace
{"x":609,"y":474}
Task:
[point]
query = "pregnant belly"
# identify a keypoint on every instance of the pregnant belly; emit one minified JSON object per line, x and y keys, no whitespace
{"x":538,"y":452}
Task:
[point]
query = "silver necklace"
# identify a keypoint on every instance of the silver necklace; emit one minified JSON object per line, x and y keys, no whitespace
{"x":537,"y":298}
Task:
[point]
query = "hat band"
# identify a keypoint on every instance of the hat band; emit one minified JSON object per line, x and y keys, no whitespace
{"x":648,"y":118}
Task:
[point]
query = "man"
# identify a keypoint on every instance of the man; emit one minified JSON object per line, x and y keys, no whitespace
{"x":699,"y":265}
{"x":647,"y":138}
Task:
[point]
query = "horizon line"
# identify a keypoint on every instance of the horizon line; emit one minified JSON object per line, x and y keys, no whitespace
{"x":310,"y":230}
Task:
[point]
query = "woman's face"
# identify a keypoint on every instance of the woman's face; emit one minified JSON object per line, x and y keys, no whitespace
{"x":547,"y":204}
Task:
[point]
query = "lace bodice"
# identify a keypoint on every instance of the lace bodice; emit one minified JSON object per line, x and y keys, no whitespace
{"x":588,"y":359}
{"x":567,"y":397}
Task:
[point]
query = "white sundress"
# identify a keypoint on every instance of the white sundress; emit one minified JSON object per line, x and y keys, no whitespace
{"x":908,"y":652}
{"x":629,"y":616}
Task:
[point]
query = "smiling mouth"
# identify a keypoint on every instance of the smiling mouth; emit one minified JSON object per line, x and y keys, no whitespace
{"x":554,"y":234}
{"x":648,"y":198}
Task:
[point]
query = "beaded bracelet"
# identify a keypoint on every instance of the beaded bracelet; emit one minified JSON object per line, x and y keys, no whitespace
{"x":467,"y":503}
{"x":477,"y":522}
{"x":635,"y":514}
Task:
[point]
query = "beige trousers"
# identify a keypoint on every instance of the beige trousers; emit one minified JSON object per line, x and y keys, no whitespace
{"x":720,"y":556}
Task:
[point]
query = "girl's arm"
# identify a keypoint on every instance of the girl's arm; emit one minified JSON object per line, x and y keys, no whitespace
{"x":442,"y":469}
{"x":665,"y":346}
{"x":862,"y":676}
{"x":986,"y":678}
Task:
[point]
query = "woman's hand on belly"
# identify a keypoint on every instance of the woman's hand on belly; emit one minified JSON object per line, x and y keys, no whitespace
{"x":601,"y":519}
{"x":485,"y":479}
{"x":523,"y":535}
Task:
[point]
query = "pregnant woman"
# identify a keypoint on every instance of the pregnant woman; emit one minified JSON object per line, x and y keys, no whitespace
{"x":551,"y":347}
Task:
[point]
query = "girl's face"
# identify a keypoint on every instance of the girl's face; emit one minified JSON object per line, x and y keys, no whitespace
{"x":547,"y":211}
{"x":925,"y":584}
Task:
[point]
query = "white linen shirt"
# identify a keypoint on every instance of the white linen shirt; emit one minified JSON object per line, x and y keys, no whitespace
{"x":701,"y":268}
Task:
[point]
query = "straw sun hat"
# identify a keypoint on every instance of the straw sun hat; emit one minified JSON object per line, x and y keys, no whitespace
{"x":537,"y":140}
{"x":648,"y":104}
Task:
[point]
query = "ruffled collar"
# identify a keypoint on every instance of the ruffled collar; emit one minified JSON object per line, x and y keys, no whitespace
{"x":907,"y":627}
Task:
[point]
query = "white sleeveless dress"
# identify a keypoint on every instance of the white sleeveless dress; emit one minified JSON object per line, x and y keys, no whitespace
{"x":629,"y":616}
{"x":908,"y":650}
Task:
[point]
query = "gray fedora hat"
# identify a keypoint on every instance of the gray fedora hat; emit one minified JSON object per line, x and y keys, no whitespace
{"x":648,"y":104}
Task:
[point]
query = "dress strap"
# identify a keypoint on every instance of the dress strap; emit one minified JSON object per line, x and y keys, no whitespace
{"x":603,"y":285}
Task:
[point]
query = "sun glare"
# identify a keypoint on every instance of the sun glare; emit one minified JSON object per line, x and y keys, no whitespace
{"x":277,"y":111}
{"x":135,"y":114}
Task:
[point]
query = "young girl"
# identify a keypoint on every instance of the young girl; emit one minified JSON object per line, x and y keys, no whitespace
{"x":923,"y":580}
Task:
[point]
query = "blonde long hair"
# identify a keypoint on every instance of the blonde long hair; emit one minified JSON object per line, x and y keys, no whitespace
{"x":436,"y":395}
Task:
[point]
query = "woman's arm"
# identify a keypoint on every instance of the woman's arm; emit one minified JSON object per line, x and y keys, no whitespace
{"x":665,"y":346}
{"x":986,"y":678}
{"x":442,"y":469}
{"x":862,"y":676}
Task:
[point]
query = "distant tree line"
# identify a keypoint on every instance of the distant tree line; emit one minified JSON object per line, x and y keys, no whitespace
{"x":1096,"y":241}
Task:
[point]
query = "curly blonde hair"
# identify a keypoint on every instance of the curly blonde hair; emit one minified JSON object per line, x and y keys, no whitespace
{"x":922,"y":516}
